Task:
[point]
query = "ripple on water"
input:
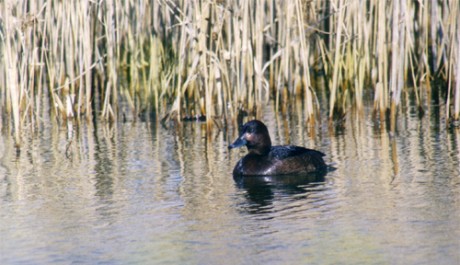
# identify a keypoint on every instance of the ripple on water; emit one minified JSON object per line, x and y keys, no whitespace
{"x":136,"y":194}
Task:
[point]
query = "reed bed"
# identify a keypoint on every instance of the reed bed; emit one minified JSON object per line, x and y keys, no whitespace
{"x":173,"y":60}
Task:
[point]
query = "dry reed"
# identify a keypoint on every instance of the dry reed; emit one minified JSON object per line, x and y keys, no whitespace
{"x":178,"y":59}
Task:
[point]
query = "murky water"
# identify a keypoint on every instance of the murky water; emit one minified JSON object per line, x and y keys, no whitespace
{"x":138,"y":193}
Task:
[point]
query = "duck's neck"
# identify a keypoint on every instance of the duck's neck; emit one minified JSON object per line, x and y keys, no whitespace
{"x":260,"y":149}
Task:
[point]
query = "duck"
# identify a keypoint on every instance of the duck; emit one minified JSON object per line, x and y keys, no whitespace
{"x":264,"y":159}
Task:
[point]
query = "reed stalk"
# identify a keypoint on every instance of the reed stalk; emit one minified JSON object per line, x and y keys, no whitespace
{"x":304,"y":65}
{"x":11,"y":62}
{"x":337,"y":57}
{"x":110,"y":97}
{"x":382,"y":61}
{"x":397,"y":60}
{"x":455,"y":68}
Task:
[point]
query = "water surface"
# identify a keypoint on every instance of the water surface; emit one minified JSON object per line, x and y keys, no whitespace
{"x":139,"y":193}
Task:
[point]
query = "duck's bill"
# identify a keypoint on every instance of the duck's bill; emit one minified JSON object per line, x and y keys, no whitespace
{"x":238,"y":143}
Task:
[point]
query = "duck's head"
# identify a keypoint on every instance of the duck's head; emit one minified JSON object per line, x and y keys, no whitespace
{"x":254,"y":134}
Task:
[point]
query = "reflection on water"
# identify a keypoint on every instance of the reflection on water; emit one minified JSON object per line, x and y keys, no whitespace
{"x":142,"y":193}
{"x":261,"y":191}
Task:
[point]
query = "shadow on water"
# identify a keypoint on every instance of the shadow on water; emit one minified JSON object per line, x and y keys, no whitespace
{"x":262,"y":190}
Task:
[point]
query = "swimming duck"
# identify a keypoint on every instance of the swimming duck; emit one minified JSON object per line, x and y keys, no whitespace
{"x":267,"y":160}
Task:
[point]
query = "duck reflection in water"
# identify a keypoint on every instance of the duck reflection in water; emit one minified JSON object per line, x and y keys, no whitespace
{"x":261,"y":190}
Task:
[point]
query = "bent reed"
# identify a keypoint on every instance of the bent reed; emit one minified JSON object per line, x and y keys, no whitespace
{"x":118,"y":59}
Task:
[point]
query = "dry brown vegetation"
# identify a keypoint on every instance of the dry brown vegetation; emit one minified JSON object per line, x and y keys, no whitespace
{"x":113,"y":59}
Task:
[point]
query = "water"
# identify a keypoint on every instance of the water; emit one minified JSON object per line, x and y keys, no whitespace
{"x":138,"y":193}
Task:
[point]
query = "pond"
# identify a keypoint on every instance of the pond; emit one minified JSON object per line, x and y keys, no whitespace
{"x":141,"y":193}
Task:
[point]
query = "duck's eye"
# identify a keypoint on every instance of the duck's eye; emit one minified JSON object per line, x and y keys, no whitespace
{"x":249,"y":130}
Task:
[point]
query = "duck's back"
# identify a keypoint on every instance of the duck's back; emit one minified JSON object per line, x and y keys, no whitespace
{"x":288,"y":151}
{"x":296,"y":159}
{"x":282,"y":160}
